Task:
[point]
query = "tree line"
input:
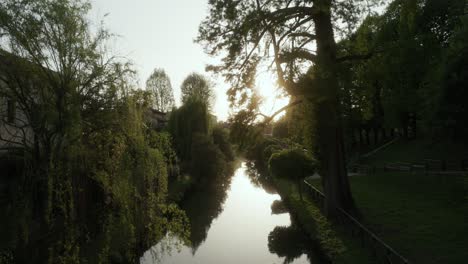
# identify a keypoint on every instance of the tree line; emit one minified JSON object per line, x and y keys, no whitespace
{"x":349,"y":71}
{"x":91,"y":168}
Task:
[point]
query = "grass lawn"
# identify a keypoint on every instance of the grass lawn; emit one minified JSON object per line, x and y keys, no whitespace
{"x":333,"y":241}
{"x":423,"y":217}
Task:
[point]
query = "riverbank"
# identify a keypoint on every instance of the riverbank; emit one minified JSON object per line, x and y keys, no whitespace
{"x":335,"y":244}
{"x":423,"y":217}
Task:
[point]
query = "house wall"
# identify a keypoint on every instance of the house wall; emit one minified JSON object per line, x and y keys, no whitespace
{"x":16,"y":132}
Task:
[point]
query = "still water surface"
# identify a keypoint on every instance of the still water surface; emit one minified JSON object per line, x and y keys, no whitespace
{"x":232,"y":222}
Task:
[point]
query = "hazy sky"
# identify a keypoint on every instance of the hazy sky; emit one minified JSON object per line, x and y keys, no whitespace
{"x":160,"y":33}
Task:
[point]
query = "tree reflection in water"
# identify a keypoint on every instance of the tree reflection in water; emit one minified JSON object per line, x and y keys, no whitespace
{"x":259,"y":177}
{"x":205,"y":205}
{"x":289,"y":242}
{"x":231,"y":222}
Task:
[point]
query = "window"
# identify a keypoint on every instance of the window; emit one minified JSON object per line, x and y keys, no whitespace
{"x":11,"y":111}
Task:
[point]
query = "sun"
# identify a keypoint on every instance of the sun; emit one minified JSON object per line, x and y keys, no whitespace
{"x":273,"y":98}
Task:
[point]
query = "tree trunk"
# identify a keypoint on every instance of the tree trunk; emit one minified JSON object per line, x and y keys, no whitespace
{"x":299,"y":188}
{"x":384,"y":133}
{"x":353,"y":137}
{"x":361,"y":139}
{"x":375,"y":130}
{"x":329,"y":125}
{"x":367,"y":136}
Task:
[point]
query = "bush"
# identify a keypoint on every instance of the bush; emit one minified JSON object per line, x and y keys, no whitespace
{"x":270,"y":150}
{"x":256,"y":153}
{"x":163,"y":142}
{"x":293,"y":163}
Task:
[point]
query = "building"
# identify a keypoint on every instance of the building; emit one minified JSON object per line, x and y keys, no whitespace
{"x":14,"y":130}
{"x":157,"y":119}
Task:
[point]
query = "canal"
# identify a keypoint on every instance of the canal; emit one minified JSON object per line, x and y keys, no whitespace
{"x":232,"y":222}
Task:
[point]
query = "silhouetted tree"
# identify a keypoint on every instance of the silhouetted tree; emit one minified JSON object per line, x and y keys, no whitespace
{"x":197,"y":87}
{"x":243,"y":32}
{"x":159,"y":84}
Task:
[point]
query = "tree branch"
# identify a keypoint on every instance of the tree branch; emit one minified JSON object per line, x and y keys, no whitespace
{"x":289,"y":56}
{"x":268,"y":119}
{"x":303,"y":34}
{"x":293,"y":28}
{"x":285,"y":14}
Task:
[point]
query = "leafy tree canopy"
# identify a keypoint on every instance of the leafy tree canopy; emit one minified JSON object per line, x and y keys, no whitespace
{"x":197,"y":87}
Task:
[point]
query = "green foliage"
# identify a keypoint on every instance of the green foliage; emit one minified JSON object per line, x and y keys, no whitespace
{"x":269,"y":150}
{"x":280,"y":128}
{"x":93,"y":170}
{"x":257,"y":152}
{"x":164,"y":143}
{"x":450,"y":108}
{"x":132,"y":168}
{"x":197,"y":87}
{"x":405,"y":78}
{"x":191,"y":118}
{"x":203,"y":147}
{"x":334,"y":244}
{"x":279,"y":242}
{"x":207,"y":159}
{"x":291,"y":163}
{"x":221,"y":139}
{"x":242,"y":133}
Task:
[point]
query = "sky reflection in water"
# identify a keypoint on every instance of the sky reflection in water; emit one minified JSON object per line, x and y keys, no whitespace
{"x":238,"y":232}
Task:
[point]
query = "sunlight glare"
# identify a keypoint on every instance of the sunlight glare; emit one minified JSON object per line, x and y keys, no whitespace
{"x":273,"y":98}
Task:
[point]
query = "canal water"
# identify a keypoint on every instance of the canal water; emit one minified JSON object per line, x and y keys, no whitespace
{"x":232,"y":222}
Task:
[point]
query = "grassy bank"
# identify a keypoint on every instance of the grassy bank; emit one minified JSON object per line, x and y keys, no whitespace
{"x":423,"y":217}
{"x":335,"y":244}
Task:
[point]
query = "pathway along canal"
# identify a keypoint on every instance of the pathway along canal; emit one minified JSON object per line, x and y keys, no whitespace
{"x":232,"y":222}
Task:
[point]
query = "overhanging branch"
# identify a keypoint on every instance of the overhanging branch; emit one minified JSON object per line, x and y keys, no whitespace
{"x":290,"y":56}
{"x":268,"y":119}
{"x":303,"y":34}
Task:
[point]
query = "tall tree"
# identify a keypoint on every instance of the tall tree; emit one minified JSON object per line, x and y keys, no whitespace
{"x":83,"y":135}
{"x":197,"y":87}
{"x":56,"y":70}
{"x":159,"y":84}
{"x":298,"y":39}
{"x":58,"y":73}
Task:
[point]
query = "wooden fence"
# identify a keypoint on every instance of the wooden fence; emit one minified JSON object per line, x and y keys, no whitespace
{"x":381,"y":251}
